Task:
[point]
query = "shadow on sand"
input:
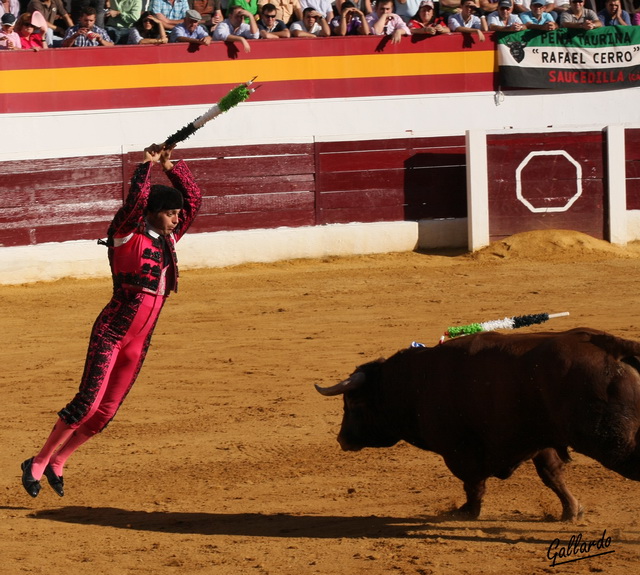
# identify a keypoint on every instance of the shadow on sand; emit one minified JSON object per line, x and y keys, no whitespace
{"x":309,"y":526}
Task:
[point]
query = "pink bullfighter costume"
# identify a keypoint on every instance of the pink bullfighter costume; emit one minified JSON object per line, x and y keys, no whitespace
{"x":144,"y":268}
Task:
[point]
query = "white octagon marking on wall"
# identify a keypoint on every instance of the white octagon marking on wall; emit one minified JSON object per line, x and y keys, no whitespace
{"x":571,"y":200}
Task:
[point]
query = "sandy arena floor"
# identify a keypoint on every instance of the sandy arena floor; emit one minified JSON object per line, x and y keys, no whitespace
{"x":224,"y":460}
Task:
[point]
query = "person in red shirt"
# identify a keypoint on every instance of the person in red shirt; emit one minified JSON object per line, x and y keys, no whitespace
{"x":426,"y":22}
{"x":31,"y":37}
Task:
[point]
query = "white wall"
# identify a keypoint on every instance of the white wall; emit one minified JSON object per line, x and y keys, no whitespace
{"x":86,"y":259}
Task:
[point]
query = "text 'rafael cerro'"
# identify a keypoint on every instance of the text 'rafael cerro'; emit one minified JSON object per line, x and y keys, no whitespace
{"x":565,"y":57}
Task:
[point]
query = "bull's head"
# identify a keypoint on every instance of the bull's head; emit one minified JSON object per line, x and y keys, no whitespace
{"x":517,"y":50}
{"x":363,"y":423}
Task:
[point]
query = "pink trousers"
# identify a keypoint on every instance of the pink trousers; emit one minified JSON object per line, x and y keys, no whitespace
{"x":117,"y":348}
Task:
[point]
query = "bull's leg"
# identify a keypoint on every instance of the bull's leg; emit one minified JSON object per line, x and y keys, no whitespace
{"x":475,"y":492}
{"x":550,"y":468}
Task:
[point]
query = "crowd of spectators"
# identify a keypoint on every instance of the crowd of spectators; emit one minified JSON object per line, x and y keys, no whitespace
{"x":38,"y":24}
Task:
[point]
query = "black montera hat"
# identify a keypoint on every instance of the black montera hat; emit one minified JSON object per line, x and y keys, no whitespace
{"x":164,"y":198}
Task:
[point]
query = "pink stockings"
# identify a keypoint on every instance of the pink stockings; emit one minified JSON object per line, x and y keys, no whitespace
{"x":62,"y":442}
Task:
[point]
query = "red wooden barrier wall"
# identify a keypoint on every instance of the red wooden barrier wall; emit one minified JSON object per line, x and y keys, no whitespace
{"x":57,"y":200}
{"x":632,"y":152}
{"x":245,"y":187}
{"x":391,"y":180}
{"x":547,"y":182}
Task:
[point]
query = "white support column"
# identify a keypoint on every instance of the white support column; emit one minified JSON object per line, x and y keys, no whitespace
{"x":477,"y":189}
{"x":616,"y":185}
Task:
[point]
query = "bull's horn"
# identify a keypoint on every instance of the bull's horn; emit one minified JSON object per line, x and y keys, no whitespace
{"x":352,"y":382}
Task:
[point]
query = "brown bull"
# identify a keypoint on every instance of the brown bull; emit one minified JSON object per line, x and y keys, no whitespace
{"x":488,"y":402}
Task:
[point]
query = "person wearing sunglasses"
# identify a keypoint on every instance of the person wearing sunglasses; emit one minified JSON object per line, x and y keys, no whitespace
{"x":577,"y":16}
{"x":269,"y":25}
{"x":538,"y":18}
{"x":503,"y":19}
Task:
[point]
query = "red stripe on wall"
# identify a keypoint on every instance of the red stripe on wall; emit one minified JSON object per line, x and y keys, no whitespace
{"x":272,"y":91}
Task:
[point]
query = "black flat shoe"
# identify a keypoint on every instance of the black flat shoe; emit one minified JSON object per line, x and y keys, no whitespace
{"x":32,"y":486}
{"x":56,"y":481}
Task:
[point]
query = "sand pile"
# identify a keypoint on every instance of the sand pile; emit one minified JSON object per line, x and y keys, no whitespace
{"x":556,"y":245}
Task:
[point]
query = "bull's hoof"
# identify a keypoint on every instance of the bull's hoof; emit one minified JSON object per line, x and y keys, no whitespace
{"x":573,"y":515}
{"x":466,"y":511}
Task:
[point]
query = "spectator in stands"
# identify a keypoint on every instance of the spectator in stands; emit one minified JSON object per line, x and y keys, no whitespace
{"x":521,"y":6}
{"x":75,"y":8}
{"x":190,"y":30}
{"x":9,"y":39}
{"x":85,"y":33}
{"x":289,"y":11}
{"x":350,"y":22}
{"x":10,"y":7}
{"x":537,"y":18}
{"x":169,"y":12}
{"x":250,"y":6}
{"x":235,"y":29}
{"x":383,"y":22}
{"x":322,"y":6}
{"x":488,"y":6}
{"x":467,"y":22}
{"x":269,"y":26}
{"x":147,"y":30}
{"x":449,"y":7}
{"x":577,"y":16}
{"x":31,"y":38}
{"x":503,"y":20}
{"x":122,"y":15}
{"x":363,"y":5}
{"x":57,"y":17}
{"x":210,"y":10}
{"x":426,"y":22}
{"x":312,"y":25}
{"x":614,"y":15}
{"x":406,"y":9}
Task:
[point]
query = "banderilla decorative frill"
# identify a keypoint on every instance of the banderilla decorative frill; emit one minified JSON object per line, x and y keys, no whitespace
{"x":507,"y":323}
{"x":233,"y":98}
{"x":514,"y":322}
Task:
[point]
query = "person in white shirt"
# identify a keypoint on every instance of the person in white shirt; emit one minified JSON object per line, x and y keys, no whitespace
{"x":312,"y":25}
{"x":322,"y":6}
{"x":235,"y":29}
{"x":502,"y":20}
{"x":467,"y":22}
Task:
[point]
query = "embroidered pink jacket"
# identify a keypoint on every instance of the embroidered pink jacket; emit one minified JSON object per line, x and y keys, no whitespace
{"x":136,"y":253}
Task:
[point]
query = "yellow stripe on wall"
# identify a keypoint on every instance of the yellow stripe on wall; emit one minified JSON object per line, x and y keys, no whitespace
{"x":234,"y":71}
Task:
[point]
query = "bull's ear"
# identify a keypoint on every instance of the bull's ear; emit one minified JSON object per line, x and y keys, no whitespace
{"x":353,"y":382}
